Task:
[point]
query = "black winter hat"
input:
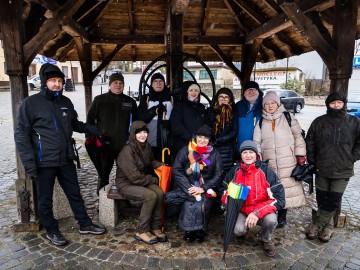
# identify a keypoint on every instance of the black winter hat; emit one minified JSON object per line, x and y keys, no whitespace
{"x":225,"y":91}
{"x":335,"y":96}
{"x":248,"y":145}
{"x":116,"y":77}
{"x":48,"y":71}
{"x":204,"y":130}
{"x":157,"y":76}
{"x":251,"y":84}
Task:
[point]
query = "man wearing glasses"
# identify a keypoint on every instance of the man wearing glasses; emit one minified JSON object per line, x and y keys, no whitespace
{"x":249,"y":111}
{"x":155,"y":110}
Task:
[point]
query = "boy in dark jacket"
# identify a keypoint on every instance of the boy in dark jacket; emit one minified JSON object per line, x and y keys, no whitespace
{"x":266,"y":195}
{"x":333,"y":146}
{"x":43,"y":135}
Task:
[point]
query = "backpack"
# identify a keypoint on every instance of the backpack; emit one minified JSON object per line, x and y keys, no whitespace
{"x":288,"y":119}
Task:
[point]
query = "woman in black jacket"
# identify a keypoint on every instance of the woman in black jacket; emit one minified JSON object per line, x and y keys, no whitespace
{"x":197,"y":172}
{"x":223,"y":120}
{"x":187,"y":116}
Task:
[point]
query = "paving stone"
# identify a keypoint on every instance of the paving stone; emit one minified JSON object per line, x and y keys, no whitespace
{"x":143,"y":261}
{"x":335,"y":264}
{"x":72,"y":247}
{"x":179,"y":264}
{"x":44,"y":266}
{"x":165,"y":264}
{"x":116,"y":257}
{"x":318,"y":266}
{"x":43,"y":259}
{"x":24,"y":266}
{"x":70,"y":256}
{"x":19,"y":254}
{"x":10,"y":264}
{"x":205,"y":263}
{"x":128,"y":259}
{"x":104,"y":254}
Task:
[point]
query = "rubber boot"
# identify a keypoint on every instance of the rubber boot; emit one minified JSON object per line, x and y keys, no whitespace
{"x":281,"y":218}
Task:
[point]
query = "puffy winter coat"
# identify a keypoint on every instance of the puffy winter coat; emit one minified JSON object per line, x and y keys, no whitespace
{"x":280,"y":144}
{"x":266,"y":193}
{"x":333,"y":144}
{"x":131,"y":168}
{"x":192,"y":217}
{"x":185,"y":119}
{"x":113,"y":114}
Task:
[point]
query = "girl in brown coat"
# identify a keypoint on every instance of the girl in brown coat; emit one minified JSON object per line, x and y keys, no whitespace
{"x":283,"y":145}
{"x":135,"y":181}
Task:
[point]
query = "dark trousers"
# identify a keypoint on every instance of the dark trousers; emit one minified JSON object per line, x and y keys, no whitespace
{"x":68,"y":181}
{"x":152,"y":198}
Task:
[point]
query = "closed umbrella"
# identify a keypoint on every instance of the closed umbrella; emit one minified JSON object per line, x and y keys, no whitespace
{"x":236,"y":195}
{"x":98,"y":149}
{"x":164,"y":172}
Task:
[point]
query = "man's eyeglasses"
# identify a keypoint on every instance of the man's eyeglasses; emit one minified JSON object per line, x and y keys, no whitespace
{"x":224,"y":97}
{"x":158,"y":81}
{"x":251,"y":90}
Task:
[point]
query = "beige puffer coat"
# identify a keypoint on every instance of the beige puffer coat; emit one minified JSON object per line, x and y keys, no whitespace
{"x":281,"y":146}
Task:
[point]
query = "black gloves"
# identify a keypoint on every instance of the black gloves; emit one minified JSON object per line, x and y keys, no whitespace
{"x":159,"y":109}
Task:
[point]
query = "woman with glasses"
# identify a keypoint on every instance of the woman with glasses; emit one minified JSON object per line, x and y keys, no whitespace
{"x":197,"y":172}
{"x":187,"y":116}
{"x":223,"y":120}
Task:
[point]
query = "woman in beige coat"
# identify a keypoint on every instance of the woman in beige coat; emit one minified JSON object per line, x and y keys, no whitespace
{"x":280,"y":141}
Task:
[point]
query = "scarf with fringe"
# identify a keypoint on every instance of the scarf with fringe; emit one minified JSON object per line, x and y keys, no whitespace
{"x":198,"y":157}
{"x":223,"y":116}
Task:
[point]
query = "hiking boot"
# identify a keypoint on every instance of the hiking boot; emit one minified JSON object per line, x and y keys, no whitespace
{"x":161,"y":236}
{"x":146,"y":237}
{"x":313,"y":231}
{"x":269,"y":248}
{"x":189,"y":237}
{"x":199,"y":236}
{"x":325,"y":235}
{"x":56,"y":238}
{"x":92,"y":229}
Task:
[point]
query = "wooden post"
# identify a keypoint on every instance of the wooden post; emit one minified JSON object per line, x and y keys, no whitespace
{"x":12,"y":29}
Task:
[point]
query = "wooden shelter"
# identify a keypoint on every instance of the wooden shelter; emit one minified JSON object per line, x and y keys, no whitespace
{"x":211,"y":30}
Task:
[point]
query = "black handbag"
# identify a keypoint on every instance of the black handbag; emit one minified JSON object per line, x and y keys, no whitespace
{"x":301,"y":173}
{"x":176,"y":197}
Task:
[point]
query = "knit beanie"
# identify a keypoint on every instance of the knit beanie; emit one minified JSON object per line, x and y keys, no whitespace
{"x":194,"y":85}
{"x":335,"y":96}
{"x":157,"y":76}
{"x":271,"y":95}
{"x":204,"y":130}
{"x":116,"y":77}
{"x":225,"y":91}
{"x":248,"y":145}
{"x":251,"y":84}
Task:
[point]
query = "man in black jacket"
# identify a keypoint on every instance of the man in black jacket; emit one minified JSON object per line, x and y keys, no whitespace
{"x":333,"y":146}
{"x":113,"y":112}
{"x":43,"y":139}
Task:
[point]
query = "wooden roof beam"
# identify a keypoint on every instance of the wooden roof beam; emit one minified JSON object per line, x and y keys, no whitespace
{"x":205,"y":16}
{"x":226,"y":60}
{"x":270,"y":45}
{"x":160,"y":39}
{"x":309,"y":30}
{"x":256,"y":15}
{"x":237,"y":13}
{"x":130,"y":6}
{"x":99,"y":52}
{"x":107,"y":60}
{"x":282,"y":22}
{"x":294,"y":48}
{"x":67,"y":50}
{"x":250,"y":54}
{"x":179,"y":6}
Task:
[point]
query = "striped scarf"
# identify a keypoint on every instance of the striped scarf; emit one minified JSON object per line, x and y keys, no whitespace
{"x":198,"y":157}
{"x":223,"y":116}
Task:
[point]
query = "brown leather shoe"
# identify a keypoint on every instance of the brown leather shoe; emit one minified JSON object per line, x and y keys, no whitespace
{"x":313,"y":231}
{"x":160,"y":235}
{"x":269,"y":248}
{"x":325,"y":235}
{"x":146,"y":237}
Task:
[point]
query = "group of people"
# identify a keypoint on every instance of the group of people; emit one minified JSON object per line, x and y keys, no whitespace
{"x":253,"y":142}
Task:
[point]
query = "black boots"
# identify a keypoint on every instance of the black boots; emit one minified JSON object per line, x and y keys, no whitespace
{"x":281,"y":218}
{"x":198,"y":236}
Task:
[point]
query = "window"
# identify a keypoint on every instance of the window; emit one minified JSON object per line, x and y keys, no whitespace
{"x":204,"y":74}
{"x":187,"y":76}
{"x":293,"y":94}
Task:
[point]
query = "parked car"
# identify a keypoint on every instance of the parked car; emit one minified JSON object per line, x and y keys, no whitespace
{"x":34,"y":82}
{"x":291,"y":100}
{"x":353,"y":105}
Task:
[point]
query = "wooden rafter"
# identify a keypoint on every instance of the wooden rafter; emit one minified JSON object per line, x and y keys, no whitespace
{"x":250,"y":54}
{"x":235,"y":10}
{"x":68,"y":48}
{"x":205,"y":16}
{"x":294,"y":48}
{"x":179,"y":6}
{"x":256,"y":15}
{"x":130,"y":6}
{"x":309,"y":30}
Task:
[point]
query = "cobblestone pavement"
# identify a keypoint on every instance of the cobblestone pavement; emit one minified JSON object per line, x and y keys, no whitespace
{"x":117,"y":249}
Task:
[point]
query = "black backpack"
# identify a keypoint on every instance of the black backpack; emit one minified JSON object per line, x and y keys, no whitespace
{"x":288,"y":119}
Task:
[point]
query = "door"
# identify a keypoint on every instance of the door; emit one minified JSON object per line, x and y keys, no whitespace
{"x":74,"y":74}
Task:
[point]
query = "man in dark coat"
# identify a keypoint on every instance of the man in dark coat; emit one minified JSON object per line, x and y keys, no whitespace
{"x":155,"y":109}
{"x":333,"y":145}
{"x":113,"y":112}
{"x":43,"y":139}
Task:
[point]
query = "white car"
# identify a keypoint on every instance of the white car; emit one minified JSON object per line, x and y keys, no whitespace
{"x":34,"y":82}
